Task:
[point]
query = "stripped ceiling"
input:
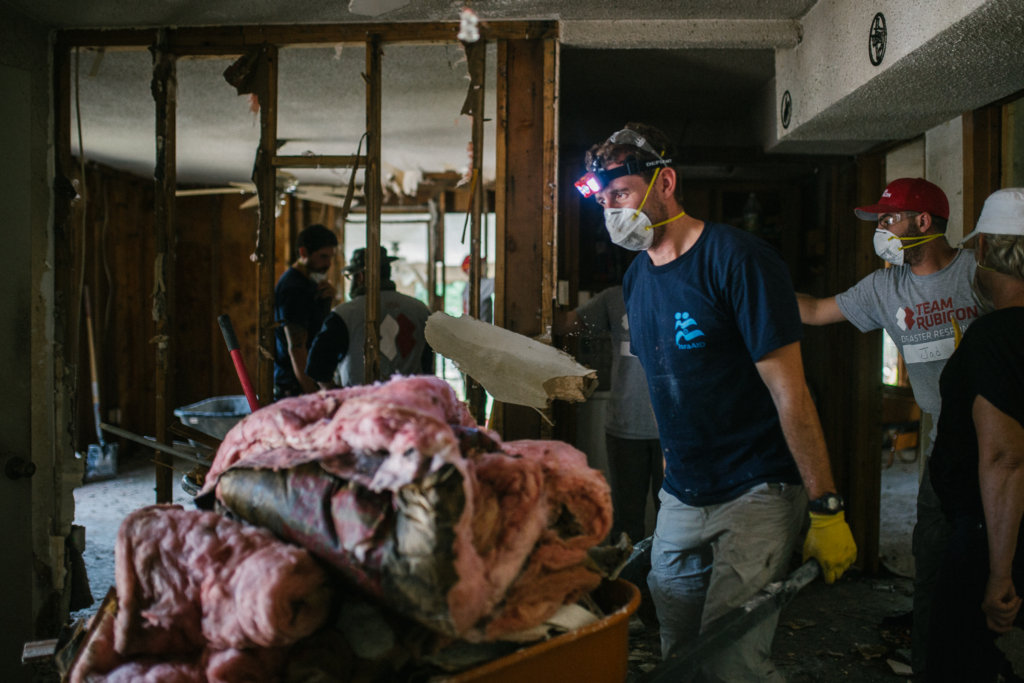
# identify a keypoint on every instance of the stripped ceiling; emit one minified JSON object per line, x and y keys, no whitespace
{"x":704,"y":71}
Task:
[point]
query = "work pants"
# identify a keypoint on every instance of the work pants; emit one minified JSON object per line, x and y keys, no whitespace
{"x":931,"y":534}
{"x":634,"y":470}
{"x":707,"y":560}
{"x":961,"y":647}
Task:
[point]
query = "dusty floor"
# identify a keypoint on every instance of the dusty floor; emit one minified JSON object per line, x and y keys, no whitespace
{"x":827,"y":633}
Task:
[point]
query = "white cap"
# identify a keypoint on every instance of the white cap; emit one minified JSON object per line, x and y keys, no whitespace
{"x":1003,"y":214}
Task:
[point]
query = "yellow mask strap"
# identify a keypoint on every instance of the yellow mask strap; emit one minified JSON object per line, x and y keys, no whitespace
{"x":650,"y":186}
{"x":667,"y":220}
{"x":910,"y":242}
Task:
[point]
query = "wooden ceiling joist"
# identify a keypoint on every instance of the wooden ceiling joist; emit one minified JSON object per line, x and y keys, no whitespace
{"x":229,"y":40}
{"x":317,"y":161}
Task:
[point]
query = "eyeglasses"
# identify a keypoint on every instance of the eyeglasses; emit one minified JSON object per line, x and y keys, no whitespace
{"x":890,"y":219}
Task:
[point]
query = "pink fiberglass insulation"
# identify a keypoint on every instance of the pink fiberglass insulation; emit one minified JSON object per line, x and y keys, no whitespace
{"x":97,"y":655}
{"x":189,"y":580}
{"x":313,"y":425}
{"x":396,"y":528}
{"x":155,"y":671}
{"x":233,"y":666}
{"x":579,"y":500}
{"x":579,"y":516}
{"x":212,"y":666}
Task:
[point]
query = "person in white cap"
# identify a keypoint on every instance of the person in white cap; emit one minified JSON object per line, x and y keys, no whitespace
{"x":978,"y":460}
{"x":916,"y":301}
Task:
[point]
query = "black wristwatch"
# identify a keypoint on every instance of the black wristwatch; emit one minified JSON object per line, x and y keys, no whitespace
{"x":828,"y":504}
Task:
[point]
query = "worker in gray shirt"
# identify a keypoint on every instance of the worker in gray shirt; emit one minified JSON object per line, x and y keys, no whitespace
{"x":336,"y":355}
{"x":924,"y":302}
{"x":635,"y":463}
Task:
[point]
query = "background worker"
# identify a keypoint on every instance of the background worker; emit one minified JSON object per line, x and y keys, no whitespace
{"x":631,"y":433}
{"x":714,"y":322}
{"x":302,"y":298}
{"x":915,"y":302}
{"x":978,"y":461}
{"x":336,"y":356}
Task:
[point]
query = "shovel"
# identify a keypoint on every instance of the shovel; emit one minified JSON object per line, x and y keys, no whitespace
{"x":101,"y":458}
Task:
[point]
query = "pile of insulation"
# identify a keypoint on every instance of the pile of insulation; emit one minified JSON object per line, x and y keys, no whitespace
{"x":351,"y":533}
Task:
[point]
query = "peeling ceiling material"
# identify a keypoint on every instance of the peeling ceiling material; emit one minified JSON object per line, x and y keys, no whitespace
{"x":134,"y":14}
{"x":712,"y":74}
{"x":321,"y":110}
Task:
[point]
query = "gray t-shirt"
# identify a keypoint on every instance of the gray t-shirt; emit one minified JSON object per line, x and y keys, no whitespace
{"x":629,"y":414}
{"x":916,"y":311}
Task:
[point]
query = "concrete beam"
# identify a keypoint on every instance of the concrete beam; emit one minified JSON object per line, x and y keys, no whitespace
{"x":681,"y":34}
{"x":954,"y":57}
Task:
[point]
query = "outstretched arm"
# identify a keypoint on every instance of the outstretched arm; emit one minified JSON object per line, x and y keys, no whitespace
{"x":814,"y":311}
{"x":1001,"y":476}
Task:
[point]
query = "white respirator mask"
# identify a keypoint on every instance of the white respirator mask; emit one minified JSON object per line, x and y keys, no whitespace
{"x":888,"y":247}
{"x":891,"y":247}
{"x":631,"y":228}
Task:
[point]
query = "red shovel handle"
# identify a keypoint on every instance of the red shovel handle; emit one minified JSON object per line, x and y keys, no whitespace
{"x":236,"y":356}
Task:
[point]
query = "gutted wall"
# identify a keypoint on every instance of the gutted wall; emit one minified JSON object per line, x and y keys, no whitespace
{"x":37,"y":510}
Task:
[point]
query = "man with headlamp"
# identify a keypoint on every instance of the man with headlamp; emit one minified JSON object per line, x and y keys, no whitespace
{"x":714,"y":321}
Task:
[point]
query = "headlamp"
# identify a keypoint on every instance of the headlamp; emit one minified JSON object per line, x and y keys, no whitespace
{"x":596,"y":180}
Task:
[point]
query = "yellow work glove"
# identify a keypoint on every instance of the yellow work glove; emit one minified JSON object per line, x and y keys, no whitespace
{"x":830,"y":542}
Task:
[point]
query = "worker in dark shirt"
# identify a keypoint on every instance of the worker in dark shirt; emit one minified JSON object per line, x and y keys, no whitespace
{"x":336,"y":356}
{"x":978,"y":461}
{"x":302,"y":299}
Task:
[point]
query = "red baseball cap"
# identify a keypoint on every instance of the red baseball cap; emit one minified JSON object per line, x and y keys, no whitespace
{"x":907,"y":194}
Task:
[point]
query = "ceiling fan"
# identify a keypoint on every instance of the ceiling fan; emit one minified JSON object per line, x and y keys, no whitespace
{"x":287,"y":184}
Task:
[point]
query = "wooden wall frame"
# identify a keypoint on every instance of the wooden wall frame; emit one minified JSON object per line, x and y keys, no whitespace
{"x":527,"y":81}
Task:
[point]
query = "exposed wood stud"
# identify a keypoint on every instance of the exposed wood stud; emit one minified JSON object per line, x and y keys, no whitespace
{"x":982,"y":142}
{"x":164,"y":87}
{"x":265,"y":178}
{"x":476,"y":56}
{"x":374,"y":198}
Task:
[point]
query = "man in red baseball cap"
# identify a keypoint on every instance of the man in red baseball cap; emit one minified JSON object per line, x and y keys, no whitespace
{"x":924,"y":302}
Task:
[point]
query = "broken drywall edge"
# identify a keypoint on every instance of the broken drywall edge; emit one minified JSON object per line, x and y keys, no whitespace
{"x":512,"y":367}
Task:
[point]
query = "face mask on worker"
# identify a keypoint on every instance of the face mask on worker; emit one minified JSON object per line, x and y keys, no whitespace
{"x":317,"y":277}
{"x":631,"y":228}
{"x":891,"y":247}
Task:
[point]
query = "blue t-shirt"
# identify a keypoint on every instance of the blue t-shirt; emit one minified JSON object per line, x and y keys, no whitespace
{"x":698,"y":325}
{"x":295,"y":302}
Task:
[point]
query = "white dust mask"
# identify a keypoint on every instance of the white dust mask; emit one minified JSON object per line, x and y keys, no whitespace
{"x":317,"y":277}
{"x":629,"y":228}
{"x":888,"y":247}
